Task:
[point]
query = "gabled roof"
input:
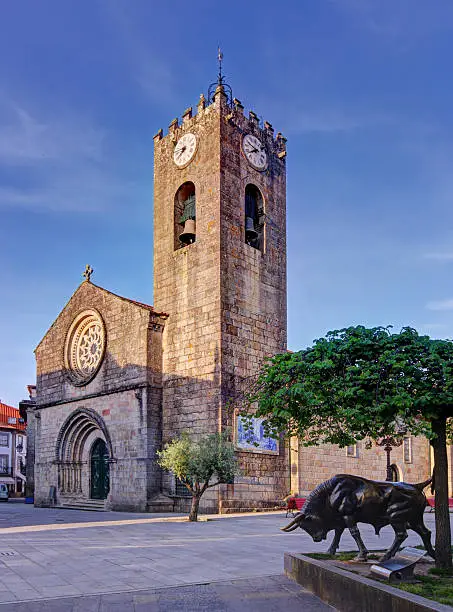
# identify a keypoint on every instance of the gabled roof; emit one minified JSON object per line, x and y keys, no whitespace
{"x":9,"y":418}
{"x":139,"y":304}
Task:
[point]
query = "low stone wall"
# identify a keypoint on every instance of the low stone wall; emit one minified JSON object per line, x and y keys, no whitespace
{"x":228,"y":506}
{"x":349,"y":592}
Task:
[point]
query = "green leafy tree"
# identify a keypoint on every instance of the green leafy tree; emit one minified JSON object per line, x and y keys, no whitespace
{"x":200,"y":465}
{"x":361,"y":383}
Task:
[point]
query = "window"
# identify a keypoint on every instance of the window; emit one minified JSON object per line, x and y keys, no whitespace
{"x":4,"y":464}
{"x":407,"y":449}
{"x":254,"y":215}
{"x":351,"y":451}
{"x":4,"y":439}
{"x":20,"y":444}
{"x":181,"y":490}
{"x":185,"y":215}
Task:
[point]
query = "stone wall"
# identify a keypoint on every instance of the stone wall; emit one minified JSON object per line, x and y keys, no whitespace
{"x":187,"y":284}
{"x":127,"y":354}
{"x":125,"y":395}
{"x":128,"y":473}
{"x":226,"y":300}
{"x":253,"y":289}
{"x":316,"y":464}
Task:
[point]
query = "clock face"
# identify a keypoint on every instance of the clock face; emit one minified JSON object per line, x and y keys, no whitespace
{"x":185,"y":149}
{"x":254,"y":152}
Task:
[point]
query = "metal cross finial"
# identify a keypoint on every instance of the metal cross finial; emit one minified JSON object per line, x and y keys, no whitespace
{"x":220,"y":58}
{"x":88,"y":272}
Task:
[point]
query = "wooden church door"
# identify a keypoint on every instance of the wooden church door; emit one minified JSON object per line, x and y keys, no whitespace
{"x":100,"y":476}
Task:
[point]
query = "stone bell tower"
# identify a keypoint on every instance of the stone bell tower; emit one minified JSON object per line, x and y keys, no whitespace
{"x":220,"y":275}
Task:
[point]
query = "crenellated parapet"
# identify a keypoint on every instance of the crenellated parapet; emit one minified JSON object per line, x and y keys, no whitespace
{"x":233,"y":114}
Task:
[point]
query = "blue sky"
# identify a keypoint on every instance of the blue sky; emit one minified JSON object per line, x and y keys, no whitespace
{"x":362,"y":89}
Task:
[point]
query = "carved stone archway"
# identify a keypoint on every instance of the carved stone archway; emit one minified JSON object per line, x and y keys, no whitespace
{"x":73,"y":446}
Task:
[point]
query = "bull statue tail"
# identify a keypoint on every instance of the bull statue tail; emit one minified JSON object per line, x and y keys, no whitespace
{"x":422,"y":485}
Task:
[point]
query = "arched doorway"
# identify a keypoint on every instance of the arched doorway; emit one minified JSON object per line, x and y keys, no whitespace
{"x":394,"y":473}
{"x":100,"y":475}
{"x":83,"y":437}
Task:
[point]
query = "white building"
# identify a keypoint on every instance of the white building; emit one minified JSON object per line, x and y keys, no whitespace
{"x":13,"y":449}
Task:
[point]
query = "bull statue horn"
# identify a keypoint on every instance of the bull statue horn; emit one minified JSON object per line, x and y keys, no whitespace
{"x":294,"y":523}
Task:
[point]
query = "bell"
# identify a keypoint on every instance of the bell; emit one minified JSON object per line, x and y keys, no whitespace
{"x":188,"y":233}
{"x":250,"y":231}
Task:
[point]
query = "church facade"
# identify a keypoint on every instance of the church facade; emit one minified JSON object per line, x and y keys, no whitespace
{"x":117,"y":378}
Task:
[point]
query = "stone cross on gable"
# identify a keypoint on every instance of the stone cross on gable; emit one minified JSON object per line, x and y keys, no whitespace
{"x":88,"y":272}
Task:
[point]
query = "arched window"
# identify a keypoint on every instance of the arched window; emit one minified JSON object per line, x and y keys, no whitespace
{"x":254,"y":216}
{"x":185,"y":215}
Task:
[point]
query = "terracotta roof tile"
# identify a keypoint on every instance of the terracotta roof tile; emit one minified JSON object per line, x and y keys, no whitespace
{"x":8,"y":412}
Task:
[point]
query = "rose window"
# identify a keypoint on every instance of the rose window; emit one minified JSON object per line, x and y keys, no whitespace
{"x":85,"y":345}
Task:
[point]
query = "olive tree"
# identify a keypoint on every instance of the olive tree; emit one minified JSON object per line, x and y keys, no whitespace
{"x":199,"y":464}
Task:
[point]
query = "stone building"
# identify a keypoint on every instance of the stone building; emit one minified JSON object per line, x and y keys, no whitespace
{"x":27,"y":413}
{"x":13,"y":450}
{"x":116,"y":377}
{"x":99,"y":399}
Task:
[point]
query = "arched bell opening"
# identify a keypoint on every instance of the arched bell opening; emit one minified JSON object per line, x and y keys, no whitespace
{"x":254,"y":217}
{"x":185,"y":215}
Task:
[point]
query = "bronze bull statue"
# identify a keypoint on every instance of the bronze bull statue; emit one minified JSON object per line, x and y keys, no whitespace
{"x":345,"y":500}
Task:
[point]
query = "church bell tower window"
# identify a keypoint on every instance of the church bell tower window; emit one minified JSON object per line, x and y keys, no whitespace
{"x":253,"y":217}
{"x":185,"y":215}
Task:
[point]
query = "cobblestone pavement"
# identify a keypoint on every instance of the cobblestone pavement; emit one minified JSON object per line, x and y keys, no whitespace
{"x":112,"y":553}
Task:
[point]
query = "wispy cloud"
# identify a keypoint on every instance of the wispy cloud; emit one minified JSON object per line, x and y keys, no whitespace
{"x":435,"y":329}
{"x":333,"y":121}
{"x":397,"y":20}
{"x":439,"y":256}
{"x":157,"y":80}
{"x":446,"y":304}
{"x":55,"y":163}
{"x":24,"y":139}
{"x":433,"y":326}
{"x":150,"y":71}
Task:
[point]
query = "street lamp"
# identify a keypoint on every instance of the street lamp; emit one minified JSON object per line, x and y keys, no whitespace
{"x":390,"y":442}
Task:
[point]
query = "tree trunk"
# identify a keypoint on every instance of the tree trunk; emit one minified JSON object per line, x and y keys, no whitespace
{"x":443,"y":531}
{"x":193,"y":516}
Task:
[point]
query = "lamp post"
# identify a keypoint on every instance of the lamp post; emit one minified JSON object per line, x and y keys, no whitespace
{"x":390,"y":442}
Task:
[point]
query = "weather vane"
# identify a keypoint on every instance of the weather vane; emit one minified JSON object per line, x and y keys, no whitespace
{"x":88,"y":272}
{"x":220,"y":83}
{"x":220,"y":58}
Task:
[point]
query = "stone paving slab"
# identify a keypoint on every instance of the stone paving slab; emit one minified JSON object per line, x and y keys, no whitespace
{"x":15,"y":513}
{"x":108,"y":556}
{"x":265,"y":594}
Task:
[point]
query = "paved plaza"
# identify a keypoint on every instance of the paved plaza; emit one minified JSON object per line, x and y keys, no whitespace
{"x":118,"y":561}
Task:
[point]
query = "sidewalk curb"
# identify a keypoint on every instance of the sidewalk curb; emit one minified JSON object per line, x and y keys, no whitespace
{"x":126,"y":591}
{"x":164,"y":519}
